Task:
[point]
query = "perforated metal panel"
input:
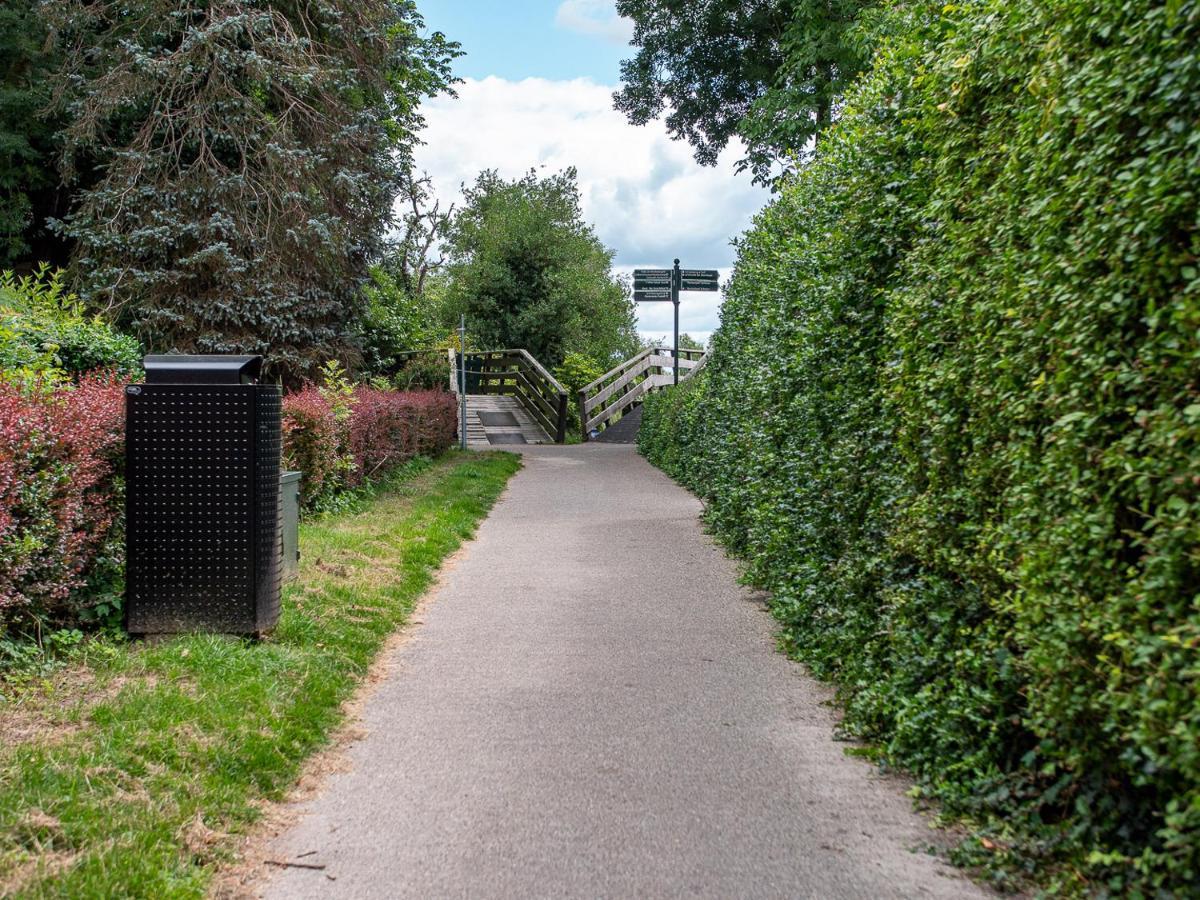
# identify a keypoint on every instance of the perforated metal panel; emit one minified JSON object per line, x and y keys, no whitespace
{"x":269,"y":523}
{"x":202,"y":523}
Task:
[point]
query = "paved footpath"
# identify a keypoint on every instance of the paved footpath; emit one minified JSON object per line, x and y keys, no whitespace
{"x":594,"y":708}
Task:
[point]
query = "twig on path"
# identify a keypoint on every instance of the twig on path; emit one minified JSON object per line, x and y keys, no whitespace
{"x":293,"y":865}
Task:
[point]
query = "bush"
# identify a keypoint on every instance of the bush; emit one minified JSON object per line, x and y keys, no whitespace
{"x":428,"y":371}
{"x":388,"y":428}
{"x":60,"y":502}
{"x":397,"y":321}
{"x":576,"y":372}
{"x":44,"y":333}
{"x":952,"y":419}
{"x":383,"y":429}
{"x":314,"y":443}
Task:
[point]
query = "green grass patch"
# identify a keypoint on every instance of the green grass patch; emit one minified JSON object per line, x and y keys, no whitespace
{"x":140,"y":764}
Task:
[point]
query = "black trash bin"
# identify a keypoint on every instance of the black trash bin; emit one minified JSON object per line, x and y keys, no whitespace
{"x":202,"y":497}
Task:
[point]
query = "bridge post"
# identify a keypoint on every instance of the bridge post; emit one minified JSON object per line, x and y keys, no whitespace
{"x":564,"y":407}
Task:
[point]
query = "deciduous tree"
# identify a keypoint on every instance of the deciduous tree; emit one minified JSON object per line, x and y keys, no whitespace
{"x":767,"y":71}
{"x":529,"y":272}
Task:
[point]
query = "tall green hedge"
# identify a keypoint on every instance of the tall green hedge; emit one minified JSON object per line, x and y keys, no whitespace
{"x":952,"y":421}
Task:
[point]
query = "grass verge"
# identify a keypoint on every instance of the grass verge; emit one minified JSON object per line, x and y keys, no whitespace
{"x":139,"y":765}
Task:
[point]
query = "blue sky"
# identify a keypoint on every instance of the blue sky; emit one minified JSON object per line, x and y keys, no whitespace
{"x":537,"y":93}
{"x":522,"y":40}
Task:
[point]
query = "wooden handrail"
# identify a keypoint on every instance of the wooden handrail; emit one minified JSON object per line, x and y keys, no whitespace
{"x":629,"y":382}
{"x":695,"y":370}
{"x":541,"y":370}
{"x":517,"y":374}
{"x":633,"y":360}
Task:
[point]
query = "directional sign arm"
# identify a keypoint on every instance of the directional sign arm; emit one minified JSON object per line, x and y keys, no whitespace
{"x":652,"y":293}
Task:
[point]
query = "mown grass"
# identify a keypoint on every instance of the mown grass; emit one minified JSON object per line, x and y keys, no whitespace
{"x":141,"y":793}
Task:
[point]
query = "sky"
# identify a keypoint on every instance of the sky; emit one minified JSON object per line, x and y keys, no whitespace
{"x":537,"y":88}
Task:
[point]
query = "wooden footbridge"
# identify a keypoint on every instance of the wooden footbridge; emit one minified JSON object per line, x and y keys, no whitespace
{"x":514,"y":399}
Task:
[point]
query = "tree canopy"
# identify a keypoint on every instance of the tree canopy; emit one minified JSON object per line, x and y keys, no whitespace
{"x":528,"y":272}
{"x":767,"y":71}
{"x":250,"y":155}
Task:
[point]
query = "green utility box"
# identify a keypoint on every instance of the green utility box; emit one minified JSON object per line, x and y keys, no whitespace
{"x":289,"y":483}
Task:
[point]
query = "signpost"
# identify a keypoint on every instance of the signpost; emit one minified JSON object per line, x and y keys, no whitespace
{"x":659,"y":285}
{"x":699,"y":279}
{"x":651,"y":277}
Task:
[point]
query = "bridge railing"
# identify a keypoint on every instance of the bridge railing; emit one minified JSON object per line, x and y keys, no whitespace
{"x":619,"y":389}
{"x":696,"y":369}
{"x":515,"y":373}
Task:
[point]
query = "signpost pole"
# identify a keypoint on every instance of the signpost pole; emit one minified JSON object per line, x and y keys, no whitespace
{"x":462,"y":382}
{"x":676,"y":279}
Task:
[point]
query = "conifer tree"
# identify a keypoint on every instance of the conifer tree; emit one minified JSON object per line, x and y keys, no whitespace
{"x":28,"y":180}
{"x":250,"y":151}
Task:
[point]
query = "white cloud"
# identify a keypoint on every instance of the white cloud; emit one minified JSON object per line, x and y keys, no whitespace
{"x":643,"y":192}
{"x":597,"y":18}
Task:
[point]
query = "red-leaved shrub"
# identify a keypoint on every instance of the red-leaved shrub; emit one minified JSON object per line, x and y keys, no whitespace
{"x":60,"y":495}
{"x":314,"y":444}
{"x":388,"y":428}
{"x":383,"y":430}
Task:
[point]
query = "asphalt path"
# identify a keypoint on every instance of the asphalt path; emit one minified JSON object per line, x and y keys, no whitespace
{"x":593,"y":707}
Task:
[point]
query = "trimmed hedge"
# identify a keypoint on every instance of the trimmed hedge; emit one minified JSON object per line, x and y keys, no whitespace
{"x":388,"y":428}
{"x":61,"y":453}
{"x":338,"y":443}
{"x":952,"y":421}
{"x":314,"y":438}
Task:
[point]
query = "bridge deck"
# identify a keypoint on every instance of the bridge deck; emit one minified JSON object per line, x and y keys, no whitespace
{"x":625,"y":431}
{"x":494,"y":420}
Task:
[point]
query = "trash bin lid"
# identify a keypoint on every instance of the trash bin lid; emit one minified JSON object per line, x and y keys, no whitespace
{"x":214,"y":369}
